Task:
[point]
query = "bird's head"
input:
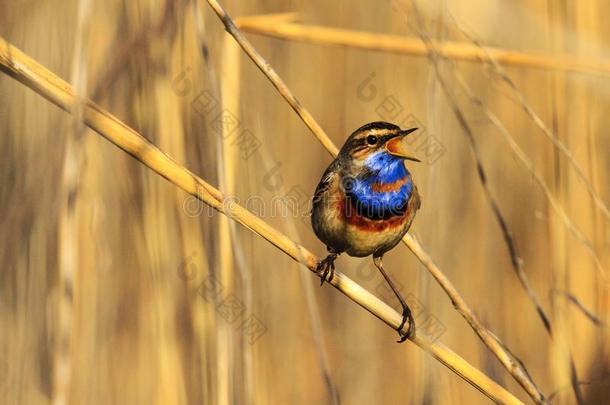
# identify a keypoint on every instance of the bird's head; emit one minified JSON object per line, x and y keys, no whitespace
{"x":377,"y":139}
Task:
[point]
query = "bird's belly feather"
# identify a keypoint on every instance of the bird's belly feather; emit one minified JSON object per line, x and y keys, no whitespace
{"x":366,"y":236}
{"x":340,"y":226}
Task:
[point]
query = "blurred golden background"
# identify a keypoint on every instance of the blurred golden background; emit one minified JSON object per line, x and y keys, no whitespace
{"x":117,"y":287}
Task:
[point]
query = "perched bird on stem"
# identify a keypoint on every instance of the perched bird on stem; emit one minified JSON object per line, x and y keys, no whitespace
{"x":366,"y":201}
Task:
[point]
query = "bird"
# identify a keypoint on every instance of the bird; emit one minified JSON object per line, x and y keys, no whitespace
{"x":366,"y":201}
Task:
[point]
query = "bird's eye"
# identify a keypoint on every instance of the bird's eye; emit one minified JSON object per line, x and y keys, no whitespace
{"x":371,"y":139}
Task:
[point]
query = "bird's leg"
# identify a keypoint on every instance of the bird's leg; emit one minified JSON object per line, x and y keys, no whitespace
{"x":326,"y":266}
{"x":406,"y":311}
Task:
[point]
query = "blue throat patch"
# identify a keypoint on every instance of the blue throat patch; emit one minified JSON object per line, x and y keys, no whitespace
{"x":380,"y":168}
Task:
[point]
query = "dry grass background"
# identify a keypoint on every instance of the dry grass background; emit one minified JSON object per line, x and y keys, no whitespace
{"x":141,"y":332}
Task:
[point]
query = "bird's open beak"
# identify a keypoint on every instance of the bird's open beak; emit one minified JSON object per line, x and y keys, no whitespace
{"x":394,"y":145}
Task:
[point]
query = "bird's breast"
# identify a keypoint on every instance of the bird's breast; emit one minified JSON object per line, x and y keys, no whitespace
{"x":376,"y":198}
{"x":377,"y":206}
{"x":351,"y":216}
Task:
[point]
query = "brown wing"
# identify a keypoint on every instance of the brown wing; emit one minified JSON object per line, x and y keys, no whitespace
{"x":415,"y":199}
{"x":412,"y":206}
{"x":326,"y":181}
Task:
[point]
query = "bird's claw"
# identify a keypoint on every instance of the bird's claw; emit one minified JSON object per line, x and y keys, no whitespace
{"x":326,"y":267}
{"x":406,"y":316}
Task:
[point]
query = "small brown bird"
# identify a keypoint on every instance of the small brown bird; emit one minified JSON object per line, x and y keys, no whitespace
{"x":366,"y":200}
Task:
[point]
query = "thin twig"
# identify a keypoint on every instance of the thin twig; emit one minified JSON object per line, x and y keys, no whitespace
{"x":523,"y":376}
{"x":515,"y":258}
{"x":496,"y":347}
{"x":273,"y":77}
{"x":558,"y":391}
{"x":529,"y":110}
{"x":16,"y":64}
{"x":516,"y":261}
{"x":573,"y":373}
{"x":580,"y":306}
{"x":541,"y":313}
{"x":529,"y":166}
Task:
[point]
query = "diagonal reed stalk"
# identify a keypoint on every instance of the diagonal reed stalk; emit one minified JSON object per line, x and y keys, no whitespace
{"x":530,"y":167}
{"x":520,"y":154}
{"x":16,"y":64}
{"x":510,"y":363}
{"x":516,"y":261}
{"x":529,"y":110}
{"x":557,"y":207}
